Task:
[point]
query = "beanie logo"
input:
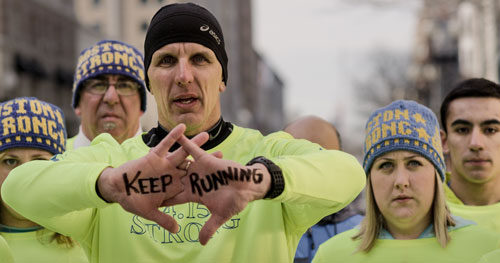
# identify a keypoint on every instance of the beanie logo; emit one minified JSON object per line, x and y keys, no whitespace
{"x":403,"y":125}
{"x":29,"y":122}
{"x":205,"y":28}
{"x":394,"y":123}
{"x":111,"y":55}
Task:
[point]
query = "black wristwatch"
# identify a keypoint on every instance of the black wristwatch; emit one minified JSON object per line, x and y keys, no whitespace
{"x":277,"y":181}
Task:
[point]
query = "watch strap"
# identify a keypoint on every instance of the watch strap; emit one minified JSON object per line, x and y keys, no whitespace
{"x":277,"y":180}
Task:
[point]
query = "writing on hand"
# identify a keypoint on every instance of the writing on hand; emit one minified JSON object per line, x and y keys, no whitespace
{"x":211,"y":182}
{"x":147,"y":185}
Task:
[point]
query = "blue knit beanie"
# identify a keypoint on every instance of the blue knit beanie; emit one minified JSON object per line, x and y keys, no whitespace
{"x":32,"y":123}
{"x":109,"y":57}
{"x":403,"y":125}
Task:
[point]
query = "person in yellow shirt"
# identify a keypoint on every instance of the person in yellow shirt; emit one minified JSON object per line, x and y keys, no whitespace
{"x":470,"y":117}
{"x":318,"y":130}
{"x":30,"y":130}
{"x":491,"y":257}
{"x":407,"y":219}
{"x":5,"y":252}
{"x":195,"y":188}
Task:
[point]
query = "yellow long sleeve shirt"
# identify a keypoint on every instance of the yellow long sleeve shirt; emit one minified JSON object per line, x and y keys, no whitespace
{"x":60,"y":195}
{"x":487,"y":216}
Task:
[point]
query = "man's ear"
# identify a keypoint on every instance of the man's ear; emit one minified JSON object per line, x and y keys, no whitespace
{"x":78,"y":111}
{"x":222,"y":86}
{"x":443,"y":142}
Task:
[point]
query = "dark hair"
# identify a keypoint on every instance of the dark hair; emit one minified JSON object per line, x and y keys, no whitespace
{"x":470,"y":88}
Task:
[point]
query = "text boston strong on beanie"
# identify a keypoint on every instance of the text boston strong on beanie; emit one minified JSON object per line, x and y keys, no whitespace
{"x":28,"y":122}
{"x":187,"y":22}
{"x":109,"y":57}
{"x":403,"y":125}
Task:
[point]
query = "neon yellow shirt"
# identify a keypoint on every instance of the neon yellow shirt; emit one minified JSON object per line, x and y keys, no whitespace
{"x":492,"y":257}
{"x":5,"y":251}
{"x":318,"y":182}
{"x":70,"y":143}
{"x":487,"y":216}
{"x":467,"y":245}
{"x":36,"y":246}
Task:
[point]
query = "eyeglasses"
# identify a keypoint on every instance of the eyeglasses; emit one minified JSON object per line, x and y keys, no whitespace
{"x":122,"y":87}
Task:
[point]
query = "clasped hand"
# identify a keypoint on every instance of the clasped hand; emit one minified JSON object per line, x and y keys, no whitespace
{"x":163,"y":178}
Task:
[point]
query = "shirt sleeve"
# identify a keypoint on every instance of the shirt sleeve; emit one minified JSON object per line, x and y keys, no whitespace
{"x":318,"y":182}
{"x":319,"y":257}
{"x":64,"y":204}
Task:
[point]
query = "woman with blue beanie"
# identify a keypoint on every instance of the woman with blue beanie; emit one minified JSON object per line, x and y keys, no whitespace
{"x":407,"y":219}
{"x":31,"y":129}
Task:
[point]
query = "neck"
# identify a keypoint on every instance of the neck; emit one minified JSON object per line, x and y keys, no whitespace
{"x":9,"y":218}
{"x":408,"y":230}
{"x":218,"y":133}
{"x":476,"y":194}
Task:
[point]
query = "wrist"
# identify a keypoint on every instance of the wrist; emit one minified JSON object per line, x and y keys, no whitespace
{"x":260,"y":190}
{"x":103,"y":186}
{"x":277,"y":182}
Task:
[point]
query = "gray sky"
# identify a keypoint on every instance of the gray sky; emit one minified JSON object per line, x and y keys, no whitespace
{"x":318,"y":46}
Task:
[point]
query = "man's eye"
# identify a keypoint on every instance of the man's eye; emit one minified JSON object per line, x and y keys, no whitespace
{"x":461,"y":130}
{"x":199,"y":59}
{"x":168,"y":60}
{"x":490,"y":130}
{"x":99,"y":86}
{"x":124,"y":85}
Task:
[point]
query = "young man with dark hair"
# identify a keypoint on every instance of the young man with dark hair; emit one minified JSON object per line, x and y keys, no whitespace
{"x":470,"y":117}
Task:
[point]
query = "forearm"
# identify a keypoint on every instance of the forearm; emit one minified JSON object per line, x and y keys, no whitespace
{"x":322,"y":182}
{"x":48,"y":192}
{"x":329,"y":177}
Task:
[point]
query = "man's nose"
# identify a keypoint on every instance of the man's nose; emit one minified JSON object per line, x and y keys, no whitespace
{"x":476,"y":142}
{"x":111,"y":96}
{"x":184,"y":74}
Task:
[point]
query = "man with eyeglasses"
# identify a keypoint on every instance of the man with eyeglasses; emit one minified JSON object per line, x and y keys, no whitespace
{"x":108,"y":92}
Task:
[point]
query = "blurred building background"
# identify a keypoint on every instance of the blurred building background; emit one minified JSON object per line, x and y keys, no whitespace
{"x":455,"y":39}
{"x":38,"y":47}
{"x":40,"y":41}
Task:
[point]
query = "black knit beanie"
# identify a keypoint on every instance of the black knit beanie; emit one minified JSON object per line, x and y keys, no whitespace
{"x":184,"y":22}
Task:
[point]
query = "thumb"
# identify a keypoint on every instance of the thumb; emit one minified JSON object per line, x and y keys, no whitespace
{"x":210,"y":227}
{"x":217,"y":154}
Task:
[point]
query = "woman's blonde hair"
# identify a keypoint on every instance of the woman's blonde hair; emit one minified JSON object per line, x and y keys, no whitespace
{"x":374,"y":220}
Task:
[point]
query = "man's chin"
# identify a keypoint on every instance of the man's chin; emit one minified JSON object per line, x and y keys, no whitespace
{"x":109,"y":126}
{"x":479,"y":177}
{"x":192,"y":130}
{"x":192,"y":123}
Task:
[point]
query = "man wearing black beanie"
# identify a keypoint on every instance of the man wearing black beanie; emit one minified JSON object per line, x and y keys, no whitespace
{"x":185,"y":23}
{"x":193,"y":181}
